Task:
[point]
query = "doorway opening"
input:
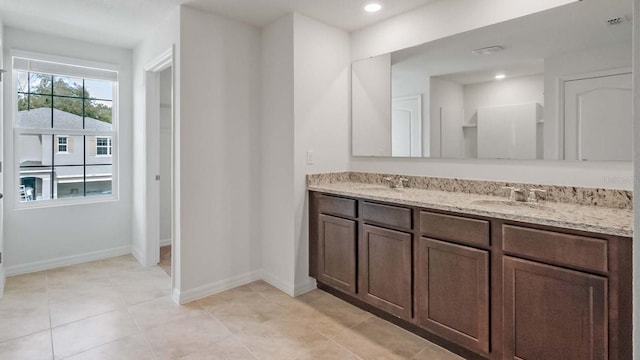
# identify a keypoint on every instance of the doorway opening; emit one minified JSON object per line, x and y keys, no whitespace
{"x":166,"y":137}
{"x":160,"y":193}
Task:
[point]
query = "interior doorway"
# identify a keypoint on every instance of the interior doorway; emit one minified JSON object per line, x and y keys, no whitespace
{"x":166,"y":136}
{"x":160,"y":192}
{"x":597,"y":113}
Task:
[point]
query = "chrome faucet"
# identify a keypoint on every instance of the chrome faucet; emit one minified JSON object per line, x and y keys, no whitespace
{"x":533,"y":194}
{"x":516,"y":194}
{"x":397,"y":183}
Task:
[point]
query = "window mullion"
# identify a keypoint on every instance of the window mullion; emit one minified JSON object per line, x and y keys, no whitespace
{"x":84,"y":145}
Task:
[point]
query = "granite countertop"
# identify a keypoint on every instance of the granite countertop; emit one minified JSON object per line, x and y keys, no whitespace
{"x":598,"y":219}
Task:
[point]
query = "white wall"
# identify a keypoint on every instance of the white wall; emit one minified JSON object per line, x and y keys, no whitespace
{"x":636,"y":184}
{"x":305,"y":107}
{"x":371,"y":89}
{"x":511,"y":91}
{"x":442,"y":19}
{"x":277,"y":145}
{"x":446,"y":111}
{"x":37,"y":238}
{"x":166,"y":35}
{"x":321,"y":112}
{"x":219,"y":150}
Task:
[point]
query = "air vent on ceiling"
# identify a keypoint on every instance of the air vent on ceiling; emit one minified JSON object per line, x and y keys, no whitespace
{"x":488,"y":50}
{"x":617,"y":20}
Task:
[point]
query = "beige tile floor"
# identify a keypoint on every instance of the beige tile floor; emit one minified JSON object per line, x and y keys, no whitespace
{"x":117,"y":309}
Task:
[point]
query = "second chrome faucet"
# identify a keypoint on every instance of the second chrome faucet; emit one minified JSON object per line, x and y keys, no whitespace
{"x":516,"y":194}
{"x":397,"y":182}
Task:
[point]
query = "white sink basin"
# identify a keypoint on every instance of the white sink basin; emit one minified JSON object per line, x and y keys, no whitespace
{"x":508,"y":203}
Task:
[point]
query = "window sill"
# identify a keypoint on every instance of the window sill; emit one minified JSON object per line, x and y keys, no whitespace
{"x":39,"y":204}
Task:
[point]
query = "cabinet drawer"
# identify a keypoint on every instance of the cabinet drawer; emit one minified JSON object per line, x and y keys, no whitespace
{"x":387,"y":215}
{"x":455,"y":228}
{"x":337,"y":206}
{"x":557,"y":248}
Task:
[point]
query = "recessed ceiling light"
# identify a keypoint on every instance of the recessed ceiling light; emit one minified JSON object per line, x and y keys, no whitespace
{"x":500,"y":76}
{"x":372,"y":7}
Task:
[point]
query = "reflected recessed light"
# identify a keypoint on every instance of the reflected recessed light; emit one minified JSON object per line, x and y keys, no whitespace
{"x":373,"y":7}
{"x":500,"y":76}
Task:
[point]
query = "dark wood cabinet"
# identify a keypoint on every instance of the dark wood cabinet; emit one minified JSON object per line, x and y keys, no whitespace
{"x":483,"y":287}
{"x":553,"y":313}
{"x":337,"y":252}
{"x":453,"y":292}
{"x":385,"y":263}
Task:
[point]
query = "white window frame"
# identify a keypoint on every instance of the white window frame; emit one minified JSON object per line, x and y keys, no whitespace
{"x":108,"y":147}
{"x":66,"y":144}
{"x":17,"y":131}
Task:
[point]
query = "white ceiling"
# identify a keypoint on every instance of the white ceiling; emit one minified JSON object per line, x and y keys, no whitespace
{"x":126,"y":22}
{"x":526,"y":41}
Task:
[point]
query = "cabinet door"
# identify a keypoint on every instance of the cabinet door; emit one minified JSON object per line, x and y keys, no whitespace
{"x":385,"y":270}
{"x":453,"y":292}
{"x":553,"y":313}
{"x":337,"y":252}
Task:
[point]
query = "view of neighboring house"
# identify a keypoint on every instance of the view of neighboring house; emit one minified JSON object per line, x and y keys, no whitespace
{"x":55,"y":166}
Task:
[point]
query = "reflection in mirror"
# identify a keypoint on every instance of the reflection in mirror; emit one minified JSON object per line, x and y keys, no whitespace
{"x":553,"y":85}
{"x":371,"y":94}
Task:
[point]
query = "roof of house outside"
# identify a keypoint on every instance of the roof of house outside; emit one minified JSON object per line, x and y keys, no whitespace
{"x":41,"y":118}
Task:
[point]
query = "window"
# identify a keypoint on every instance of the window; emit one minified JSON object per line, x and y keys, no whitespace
{"x":62,"y":144}
{"x":103,"y":146}
{"x":65,"y":129}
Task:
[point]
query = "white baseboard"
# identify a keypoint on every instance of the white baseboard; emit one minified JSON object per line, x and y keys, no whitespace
{"x":2,"y":279}
{"x":213,"y":288}
{"x":66,"y":261}
{"x":165,"y":242}
{"x":283,"y":286}
{"x":139,"y":255}
{"x":175,"y":296}
{"x":305,"y":286}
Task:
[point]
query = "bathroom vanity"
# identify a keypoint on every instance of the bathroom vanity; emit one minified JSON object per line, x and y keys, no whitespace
{"x":474,"y":272}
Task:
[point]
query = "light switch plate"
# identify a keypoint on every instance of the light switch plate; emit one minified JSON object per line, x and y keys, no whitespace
{"x":309,"y":157}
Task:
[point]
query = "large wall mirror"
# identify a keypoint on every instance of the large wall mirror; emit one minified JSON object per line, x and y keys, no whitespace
{"x":555,"y":85}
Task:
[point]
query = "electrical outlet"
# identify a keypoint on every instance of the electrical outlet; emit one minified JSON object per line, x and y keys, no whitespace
{"x":309,"y":157}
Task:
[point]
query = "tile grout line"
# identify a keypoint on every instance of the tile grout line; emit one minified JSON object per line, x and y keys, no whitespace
{"x":93,"y":348}
{"x":22,"y":336}
{"x":229,"y":330}
{"x":234,"y":336}
{"x":313,"y":329}
{"x":330,"y":339}
{"x":144,"y":336}
{"x":345,"y":348}
{"x":46,"y":285}
{"x":142,"y":332}
{"x":125,"y":307}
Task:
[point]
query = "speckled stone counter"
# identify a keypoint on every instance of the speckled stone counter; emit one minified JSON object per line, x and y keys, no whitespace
{"x":578,"y":212}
